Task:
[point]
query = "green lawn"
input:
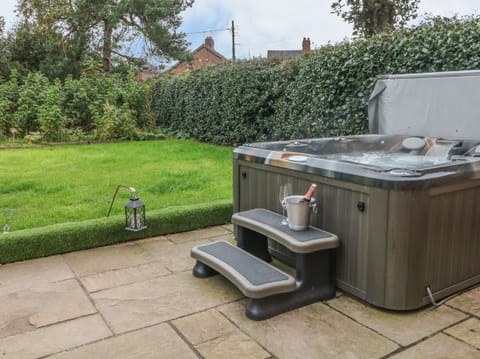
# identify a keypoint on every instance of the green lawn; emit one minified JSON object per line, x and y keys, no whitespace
{"x":59,"y":184}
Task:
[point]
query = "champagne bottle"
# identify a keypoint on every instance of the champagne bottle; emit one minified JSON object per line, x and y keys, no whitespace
{"x":309,"y":194}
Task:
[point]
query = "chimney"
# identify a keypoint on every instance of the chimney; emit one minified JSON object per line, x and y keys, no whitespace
{"x":209,"y":42}
{"x":306,"y":45}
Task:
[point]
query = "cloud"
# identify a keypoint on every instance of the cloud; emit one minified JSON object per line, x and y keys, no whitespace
{"x":282,"y":24}
{"x":272,"y":24}
{"x":265,"y":25}
{"x":7,"y":8}
{"x":449,"y":8}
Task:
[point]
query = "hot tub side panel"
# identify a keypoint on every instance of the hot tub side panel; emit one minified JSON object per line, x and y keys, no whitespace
{"x":453,"y":241}
{"x":433,"y":240}
{"x":407,"y":225}
{"x":357,"y":214}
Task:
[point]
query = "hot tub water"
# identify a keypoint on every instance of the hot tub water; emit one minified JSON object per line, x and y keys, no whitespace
{"x":387,"y":161}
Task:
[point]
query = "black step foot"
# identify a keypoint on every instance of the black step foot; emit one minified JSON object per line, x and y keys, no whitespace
{"x":264,"y":308}
{"x":201,"y":270}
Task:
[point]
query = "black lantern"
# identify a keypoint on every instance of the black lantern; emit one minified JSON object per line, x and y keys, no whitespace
{"x":135,"y":215}
{"x":134,"y":210}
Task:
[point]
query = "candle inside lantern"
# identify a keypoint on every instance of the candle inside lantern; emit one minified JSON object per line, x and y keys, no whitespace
{"x":135,"y":221}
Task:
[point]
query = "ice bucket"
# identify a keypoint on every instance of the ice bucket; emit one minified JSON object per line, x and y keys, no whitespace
{"x":298,"y":212}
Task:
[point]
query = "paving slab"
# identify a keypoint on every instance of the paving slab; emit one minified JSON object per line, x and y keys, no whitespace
{"x":22,"y":275}
{"x":175,"y":258}
{"x":204,"y":326}
{"x":159,"y":239}
{"x":54,"y":338}
{"x":467,"y":331}
{"x":228,"y":227}
{"x":43,"y":304}
{"x":154,"y":301}
{"x":440,"y":346}
{"x":156,"y":308}
{"x":123,"y":276}
{"x":204,"y":233}
{"x":403,"y":328}
{"x":226,"y":237}
{"x":103,"y":259}
{"x":232,"y":346}
{"x":216,"y":337}
{"x":314,"y":331}
{"x":468,"y":302}
{"x":159,"y":341}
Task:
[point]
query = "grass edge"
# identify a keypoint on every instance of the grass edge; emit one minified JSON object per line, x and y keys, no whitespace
{"x":73,"y":236}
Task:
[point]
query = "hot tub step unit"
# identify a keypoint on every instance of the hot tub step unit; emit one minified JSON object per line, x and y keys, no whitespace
{"x":271,"y":291}
{"x":254,"y":277}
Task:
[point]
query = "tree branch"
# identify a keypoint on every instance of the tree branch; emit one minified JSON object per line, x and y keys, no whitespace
{"x":130,"y":58}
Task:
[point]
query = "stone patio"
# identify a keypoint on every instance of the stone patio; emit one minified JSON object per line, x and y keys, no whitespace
{"x":139,"y":300}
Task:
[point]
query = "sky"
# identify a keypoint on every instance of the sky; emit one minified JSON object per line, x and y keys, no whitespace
{"x":262,"y":25}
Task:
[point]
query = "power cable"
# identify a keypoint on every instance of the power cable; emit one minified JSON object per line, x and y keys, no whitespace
{"x":207,"y":31}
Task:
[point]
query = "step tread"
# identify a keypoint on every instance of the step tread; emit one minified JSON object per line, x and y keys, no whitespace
{"x":268,"y":223}
{"x":254,"y":277}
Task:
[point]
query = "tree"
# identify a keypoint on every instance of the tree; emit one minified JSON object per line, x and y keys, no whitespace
{"x":37,"y":42}
{"x":373,"y":16}
{"x":3,"y":58}
{"x":29,"y":48}
{"x":112,"y":27}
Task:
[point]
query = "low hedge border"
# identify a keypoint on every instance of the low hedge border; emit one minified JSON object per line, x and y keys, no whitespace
{"x":68,"y":237}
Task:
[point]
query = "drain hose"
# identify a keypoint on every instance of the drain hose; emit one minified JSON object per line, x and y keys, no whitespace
{"x":437,"y":304}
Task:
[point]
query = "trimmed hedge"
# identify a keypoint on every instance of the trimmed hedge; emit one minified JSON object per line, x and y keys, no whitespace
{"x":321,"y":95}
{"x":67,"y":237}
{"x":222,"y":104}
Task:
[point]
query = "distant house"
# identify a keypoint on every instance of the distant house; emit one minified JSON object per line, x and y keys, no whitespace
{"x":203,"y":55}
{"x":285,"y":54}
{"x":144,"y":75}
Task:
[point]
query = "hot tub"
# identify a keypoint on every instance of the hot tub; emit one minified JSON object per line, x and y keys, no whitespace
{"x":405,"y":207}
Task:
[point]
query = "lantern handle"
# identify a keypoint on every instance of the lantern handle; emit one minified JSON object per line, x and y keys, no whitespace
{"x":132,"y":194}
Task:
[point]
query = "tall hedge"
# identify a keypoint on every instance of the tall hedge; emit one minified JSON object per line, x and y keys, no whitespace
{"x":223,"y":104}
{"x":319,"y":95}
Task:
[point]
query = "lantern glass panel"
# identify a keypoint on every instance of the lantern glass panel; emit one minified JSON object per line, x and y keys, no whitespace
{"x":135,"y":215}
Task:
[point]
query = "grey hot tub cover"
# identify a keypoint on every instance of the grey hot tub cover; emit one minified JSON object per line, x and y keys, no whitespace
{"x":437,"y":104}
